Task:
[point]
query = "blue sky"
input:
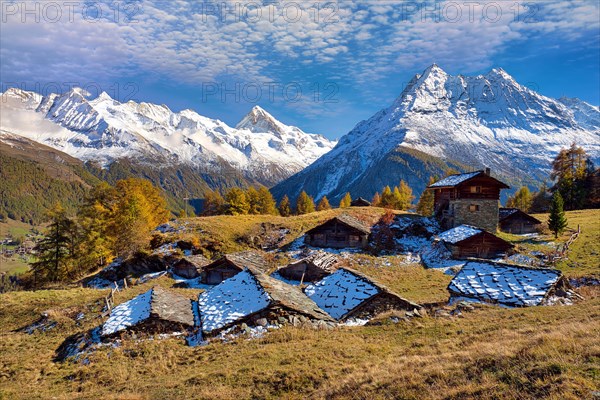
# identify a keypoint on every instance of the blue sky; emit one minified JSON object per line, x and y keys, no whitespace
{"x":321,"y":68}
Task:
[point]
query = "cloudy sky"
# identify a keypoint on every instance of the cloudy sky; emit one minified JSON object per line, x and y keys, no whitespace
{"x":322,"y":66}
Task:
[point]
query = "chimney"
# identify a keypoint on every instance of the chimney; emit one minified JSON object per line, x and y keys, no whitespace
{"x":487,"y":171}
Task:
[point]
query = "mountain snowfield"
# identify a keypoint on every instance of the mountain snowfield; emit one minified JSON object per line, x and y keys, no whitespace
{"x":439,"y":120}
{"x":104,"y":130}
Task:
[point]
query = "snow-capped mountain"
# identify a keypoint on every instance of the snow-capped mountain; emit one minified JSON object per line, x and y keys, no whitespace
{"x":104,"y":130}
{"x":441,"y":120}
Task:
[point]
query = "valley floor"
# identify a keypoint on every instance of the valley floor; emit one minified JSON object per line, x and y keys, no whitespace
{"x":489,"y":352}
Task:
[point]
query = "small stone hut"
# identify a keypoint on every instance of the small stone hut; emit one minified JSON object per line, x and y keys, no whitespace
{"x":466,"y":241}
{"x":231,"y":264}
{"x":360,"y":202}
{"x":155,"y":311}
{"x":507,"y":284}
{"x":313,"y":268}
{"x":339,"y":232}
{"x":513,"y":220}
{"x":189,"y":267}
{"x":349,"y":294}
{"x":254,"y":298}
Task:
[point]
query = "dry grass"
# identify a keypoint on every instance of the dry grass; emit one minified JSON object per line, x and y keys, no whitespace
{"x":543,"y":352}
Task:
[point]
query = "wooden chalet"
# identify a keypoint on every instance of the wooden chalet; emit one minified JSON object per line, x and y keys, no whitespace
{"x":349,"y":294}
{"x":360,"y":202}
{"x":315,"y":267}
{"x":339,"y":232}
{"x":189,"y":267}
{"x":155,"y":311}
{"x":513,"y":220}
{"x":467,"y":241}
{"x":471,"y":198}
{"x":230,"y":265}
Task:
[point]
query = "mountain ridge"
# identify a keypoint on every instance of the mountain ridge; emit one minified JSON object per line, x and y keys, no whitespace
{"x":476,"y":121}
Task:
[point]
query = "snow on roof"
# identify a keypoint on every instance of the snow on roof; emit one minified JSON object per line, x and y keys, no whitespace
{"x":128,"y":314}
{"x":231,"y":300}
{"x":458,"y":234}
{"x":341,"y":292}
{"x":454,"y":180}
{"x":503,"y":283}
{"x":157,"y":301}
{"x":320,"y":259}
{"x":506,"y":212}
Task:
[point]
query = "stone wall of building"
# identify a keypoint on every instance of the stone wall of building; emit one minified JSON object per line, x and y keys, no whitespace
{"x":485,"y":218}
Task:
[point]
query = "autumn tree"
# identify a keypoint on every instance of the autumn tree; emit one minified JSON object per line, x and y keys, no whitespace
{"x":425,"y":203}
{"x":252,"y":197}
{"x":540,"y":200}
{"x":383,"y":236}
{"x":323,"y":204}
{"x":403,"y":196}
{"x":236,"y":202}
{"x":214,"y":203}
{"x":521,"y":200}
{"x":139,"y":209}
{"x":376,"y":200}
{"x":285,"y":209}
{"x":304,"y":204}
{"x":266,"y":202}
{"x":557,"y":222}
{"x":570,"y":170}
{"x":346,"y":200}
{"x":387,"y":198}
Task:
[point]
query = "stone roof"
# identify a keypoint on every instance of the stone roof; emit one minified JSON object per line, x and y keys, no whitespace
{"x":360,"y":202}
{"x":247,"y":293}
{"x":243,"y":259}
{"x":459,"y":233}
{"x":320,"y":259}
{"x":349,"y":221}
{"x":345,"y":290}
{"x":457,"y":179}
{"x":155,"y":303}
{"x":505,"y":212}
{"x":506,"y":284}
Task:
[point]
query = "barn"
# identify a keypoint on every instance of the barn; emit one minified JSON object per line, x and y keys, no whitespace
{"x":315,"y":267}
{"x":189,"y":267}
{"x":251,"y":296}
{"x":230,"y":265}
{"x":360,"y":202}
{"x":466,"y":241}
{"x":155,"y":311}
{"x":339,"y":232}
{"x":513,"y":220}
{"x":507,"y":284}
{"x":349,"y":294}
{"x":468,"y":199}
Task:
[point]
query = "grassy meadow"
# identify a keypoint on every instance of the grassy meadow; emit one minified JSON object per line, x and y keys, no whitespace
{"x":488,"y":353}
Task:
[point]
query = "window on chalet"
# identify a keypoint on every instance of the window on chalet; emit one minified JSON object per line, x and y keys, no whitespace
{"x":473,"y":207}
{"x":475,"y":189}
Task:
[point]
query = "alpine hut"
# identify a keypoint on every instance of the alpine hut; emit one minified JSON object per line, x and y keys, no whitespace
{"x":339,"y":232}
{"x":254,"y":298}
{"x":312,"y":268}
{"x":230,"y":265}
{"x":349,"y":294}
{"x":507,"y":284}
{"x":189,"y":267}
{"x":513,"y":220}
{"x":466,"y":241}
{"x":360,"y":202}
{"x":471,"y":198}
{"x":155,"y":311}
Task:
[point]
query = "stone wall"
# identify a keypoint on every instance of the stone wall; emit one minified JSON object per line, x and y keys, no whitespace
{"x":486,"y":218}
